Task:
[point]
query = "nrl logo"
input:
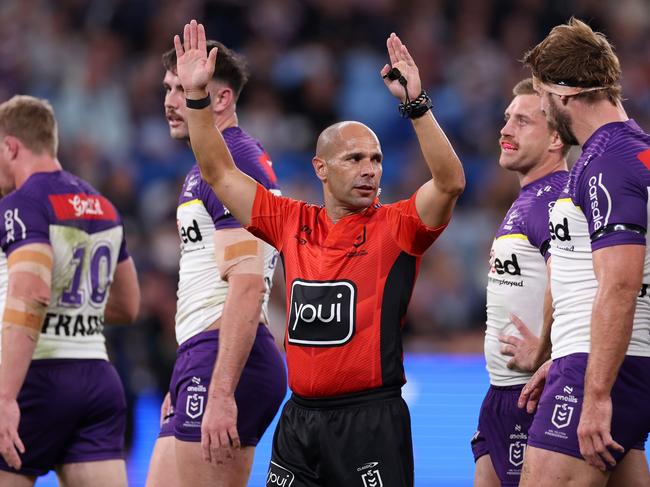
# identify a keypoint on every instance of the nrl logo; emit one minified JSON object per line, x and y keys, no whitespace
{"x":190,"y":184}
{"x":516,"y":453}
{"x":372,"y":478}
{"x":562,"y":414}
{"x":194,"y":406}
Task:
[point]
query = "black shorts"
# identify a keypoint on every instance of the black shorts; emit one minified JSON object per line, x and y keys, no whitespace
{"x":358,"y":440}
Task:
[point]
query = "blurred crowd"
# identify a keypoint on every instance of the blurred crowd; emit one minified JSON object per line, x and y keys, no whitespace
{"x":313,"y":62}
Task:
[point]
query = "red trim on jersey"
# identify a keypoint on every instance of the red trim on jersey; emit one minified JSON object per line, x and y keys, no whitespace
{"x":80,"y":206}
{"x":644,"y":157}
{"x":266,"y":163}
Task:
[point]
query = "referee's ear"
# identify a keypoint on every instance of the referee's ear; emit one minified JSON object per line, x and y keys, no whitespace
{"x":320,"y":168}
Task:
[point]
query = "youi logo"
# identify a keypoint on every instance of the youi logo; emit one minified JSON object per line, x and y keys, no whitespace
{"x":322,"y":313}
{"x":279,"y":476}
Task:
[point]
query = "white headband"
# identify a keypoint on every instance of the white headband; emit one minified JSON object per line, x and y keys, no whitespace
{"x":563,"y":90}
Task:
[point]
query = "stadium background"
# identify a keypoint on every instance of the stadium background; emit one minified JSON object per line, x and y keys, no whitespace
{"x":313,"y":62}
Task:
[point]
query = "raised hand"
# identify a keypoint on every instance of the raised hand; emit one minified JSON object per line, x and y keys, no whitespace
{"x":401,"y":59}
{"x":194,"y":66}
{"x":522,"y":350}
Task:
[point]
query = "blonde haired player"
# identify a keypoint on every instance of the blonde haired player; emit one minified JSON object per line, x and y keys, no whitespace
{"x":62,"y":405}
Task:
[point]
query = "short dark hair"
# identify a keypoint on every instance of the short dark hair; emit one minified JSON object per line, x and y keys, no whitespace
{"x":575,"y":55}
{"x":231,"y":68}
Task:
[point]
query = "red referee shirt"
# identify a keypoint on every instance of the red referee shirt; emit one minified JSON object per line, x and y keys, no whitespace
{"x":348,"y":287}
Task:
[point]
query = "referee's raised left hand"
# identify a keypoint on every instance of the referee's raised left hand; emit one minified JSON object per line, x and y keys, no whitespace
{"x":401,"y":59}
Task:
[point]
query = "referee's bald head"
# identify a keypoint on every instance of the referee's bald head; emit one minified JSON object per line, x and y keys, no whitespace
{"x":339,"y":135}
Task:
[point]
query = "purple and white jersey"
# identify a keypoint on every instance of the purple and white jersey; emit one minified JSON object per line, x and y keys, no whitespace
{"x":87,"y":239}
{"x":517,"y":275}
{"x":604,"y":204}
{"x":201,"y":292}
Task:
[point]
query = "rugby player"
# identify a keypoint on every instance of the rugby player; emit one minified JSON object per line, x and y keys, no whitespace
{"x":593,"y":412}
{"x":223,"y":290}
{"x":350,"y":268}
{"x":62,"y":405}
{"x":517,"y":286}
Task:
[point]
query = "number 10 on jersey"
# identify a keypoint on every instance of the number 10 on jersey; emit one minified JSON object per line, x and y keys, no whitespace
{"x":92,"y":276}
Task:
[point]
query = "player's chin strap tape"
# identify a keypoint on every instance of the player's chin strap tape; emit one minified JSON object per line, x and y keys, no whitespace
{"x":410,"y":108}
{"x":617,"y":227}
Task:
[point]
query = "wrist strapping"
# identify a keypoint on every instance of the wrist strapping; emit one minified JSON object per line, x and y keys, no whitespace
{"x":198,"y":104}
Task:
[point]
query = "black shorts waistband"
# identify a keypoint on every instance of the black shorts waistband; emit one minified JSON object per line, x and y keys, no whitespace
{"x":347,"y":400}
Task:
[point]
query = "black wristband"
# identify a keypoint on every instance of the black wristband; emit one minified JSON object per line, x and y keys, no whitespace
{"x":416,"y":108}
{"x":198,"y":104}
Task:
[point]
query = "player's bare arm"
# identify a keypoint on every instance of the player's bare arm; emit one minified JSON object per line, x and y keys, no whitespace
{"x":28,"y":295}
{"x":529,"y":352}
{"x":195,"y":69}
{"x":435,"y":199}
{"x":611,"y":329}
{"x":124,"y":298}
{"x":241,"y":263}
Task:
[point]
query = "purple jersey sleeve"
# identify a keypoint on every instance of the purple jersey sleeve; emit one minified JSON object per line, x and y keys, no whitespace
{"x":613,"y":195}
{"x":537,"y":229}
{"x":220,"y":215}
{"x":124,"y":251}
{"x":24,"y":220}
{"x":249,"y":157}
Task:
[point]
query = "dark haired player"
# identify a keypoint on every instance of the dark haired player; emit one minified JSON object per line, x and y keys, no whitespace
{"x":229,"y":378}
